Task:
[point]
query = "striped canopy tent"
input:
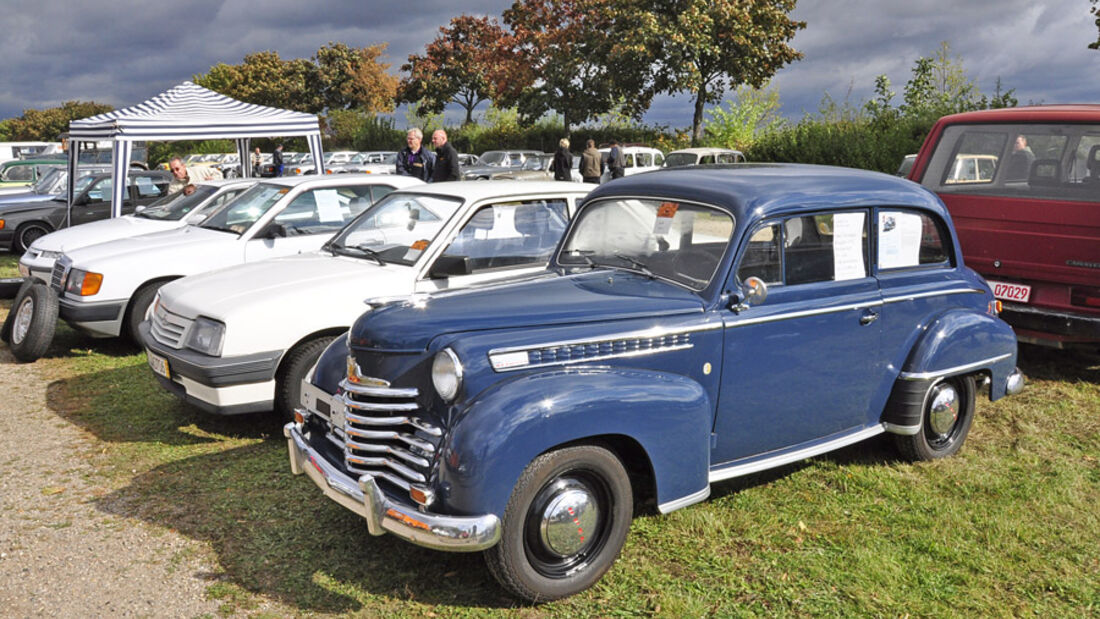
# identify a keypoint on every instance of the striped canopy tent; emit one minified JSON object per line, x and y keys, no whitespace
{"x":187,"y":112}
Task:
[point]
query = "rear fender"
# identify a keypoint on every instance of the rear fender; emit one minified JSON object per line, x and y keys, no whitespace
{"x":495,"y":437}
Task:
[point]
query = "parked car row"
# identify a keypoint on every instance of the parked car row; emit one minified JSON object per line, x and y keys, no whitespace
{"x":514,"y":367}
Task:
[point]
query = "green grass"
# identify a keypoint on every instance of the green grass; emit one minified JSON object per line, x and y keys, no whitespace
{"x":1008,"y":527}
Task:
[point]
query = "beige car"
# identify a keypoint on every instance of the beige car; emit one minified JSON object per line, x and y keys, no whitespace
{"x":972,"y":169}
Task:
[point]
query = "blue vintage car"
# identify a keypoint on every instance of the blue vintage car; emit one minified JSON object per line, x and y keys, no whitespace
{"x":694,"y":326}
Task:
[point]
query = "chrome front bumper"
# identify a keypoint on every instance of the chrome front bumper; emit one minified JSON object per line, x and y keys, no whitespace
{"x":364,"y":497}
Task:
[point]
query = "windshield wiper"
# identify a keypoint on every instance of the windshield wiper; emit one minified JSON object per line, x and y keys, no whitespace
{"x":637,"y":264}
{"x":583,"y":253}
{"x":344,"y":250}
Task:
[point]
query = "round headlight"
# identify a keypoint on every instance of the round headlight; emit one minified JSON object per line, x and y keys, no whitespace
{"x":447,"y":374}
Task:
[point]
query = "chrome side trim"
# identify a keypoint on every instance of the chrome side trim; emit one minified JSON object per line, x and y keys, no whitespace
{"x":363,"y":496}
{"x":377,"y":392}
{"x":657,"y":332}
{"x":894,"y":428}
{"x":803,"y":314}
{"x":959,"y":369}
{"x":738,"y":470}
{"x":691,"y":499}
{"x":937,"y":293}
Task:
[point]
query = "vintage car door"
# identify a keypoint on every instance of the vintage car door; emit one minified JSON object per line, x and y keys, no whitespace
{"x":802,"y":365}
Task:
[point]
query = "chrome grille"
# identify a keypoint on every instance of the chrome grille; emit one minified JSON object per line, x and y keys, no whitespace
{"x":383,"y":436}
{"x":60,"y":270}
{"x":169,"y":328}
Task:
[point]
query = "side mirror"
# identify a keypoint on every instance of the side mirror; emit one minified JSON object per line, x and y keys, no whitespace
{"x":414,"y":216}
{"x":81,"y":200}
{"x":272,"y":231}
{"x":139,"y":208}
{"x":753,"y":292}
{"x":446,"y":266}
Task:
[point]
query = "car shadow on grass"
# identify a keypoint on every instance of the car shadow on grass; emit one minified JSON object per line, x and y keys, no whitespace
{"x":275,"y":535}
{"x":1041,"y":363}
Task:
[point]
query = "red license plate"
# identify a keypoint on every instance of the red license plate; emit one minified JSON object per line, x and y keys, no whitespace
{"x":1011,"y":292}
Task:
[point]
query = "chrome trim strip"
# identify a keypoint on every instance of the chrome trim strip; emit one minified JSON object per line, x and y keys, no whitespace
{"x":959,"y":369}
{"x":655,"y":332}
{"x":803,"y":314}
{"x":894,"y":428}
{"x":378,"y":392}
{"x":364,"y":497}
{"x":397,"y":407}
{"x":936,"y":293}
{"x":691,"y":499}
{"x":738,"y":470}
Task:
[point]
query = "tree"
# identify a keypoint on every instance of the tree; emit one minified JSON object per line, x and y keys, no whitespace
{"x":752,"y":113}
{"x":1095,"y":11}
{"x":46,"y":125}
{"x":576,"y":57}
{"x":265,"y":79}
{"x":457,"y":67}
{"x":706,"y":47}
{"x":940,"y":86}
{"x":354,"y":78}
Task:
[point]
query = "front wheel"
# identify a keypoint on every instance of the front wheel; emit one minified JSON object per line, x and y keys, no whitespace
{"x":948,"y":411}
{"x":564,"y":525}
{"x":27,"y":234}
{"x":139,"y":305}
{"x":34,"y":322}
{"x":288,"y":380}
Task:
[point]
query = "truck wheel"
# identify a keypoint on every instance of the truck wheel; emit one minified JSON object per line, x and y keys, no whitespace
{"x":32,"y":328}
{"x":5,"y":332}
{"x":564,"y":525}
{"x":27,"y":234}
{"x":948,"y":411}
{"x":139,"y":304}
{"x":288,"y":380}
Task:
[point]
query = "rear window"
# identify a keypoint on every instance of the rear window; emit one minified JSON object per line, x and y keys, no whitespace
{"x":1051,"y":161}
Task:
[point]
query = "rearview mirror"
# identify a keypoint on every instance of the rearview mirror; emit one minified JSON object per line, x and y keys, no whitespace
{"x":753,"y":292}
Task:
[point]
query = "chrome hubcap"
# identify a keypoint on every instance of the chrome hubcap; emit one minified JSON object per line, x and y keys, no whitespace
{"x":22,"y":322}
{"x":569,"y":519}
{"x":944,"y":410}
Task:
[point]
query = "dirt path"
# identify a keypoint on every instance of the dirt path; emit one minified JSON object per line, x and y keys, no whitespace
{"x":59,"y":554}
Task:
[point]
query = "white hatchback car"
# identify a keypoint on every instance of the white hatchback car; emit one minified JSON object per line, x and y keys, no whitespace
{"x":637,"y":159}
{"x":242,"y":339}
{"x":105,"y":289}
{"x":168,"y":213}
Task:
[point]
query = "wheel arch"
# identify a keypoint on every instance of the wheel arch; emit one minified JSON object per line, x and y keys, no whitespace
{"x":659,"y":423}
{"x":326,"y":332}
{"x":156,"y":280}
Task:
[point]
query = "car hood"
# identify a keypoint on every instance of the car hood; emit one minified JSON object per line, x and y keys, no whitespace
{"x":291,"y":284}
{"x":69,"y":239}
{"x":25,"y":197}
{"x":561,"y":300}
{"x":25,"y":206}
{"x":490,"y":169}
{"x":170,"y":245}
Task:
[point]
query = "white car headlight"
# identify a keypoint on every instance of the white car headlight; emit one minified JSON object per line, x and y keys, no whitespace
{"x":447,"y":374}
{"x":206,"y":336}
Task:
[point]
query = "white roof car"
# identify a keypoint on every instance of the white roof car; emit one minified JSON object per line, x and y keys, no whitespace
{"x":703,"y":156}
{"x":170,"y":212}
{"x":637,"y":159}
{"x":105,"y":289}
{"x":241,"y":339}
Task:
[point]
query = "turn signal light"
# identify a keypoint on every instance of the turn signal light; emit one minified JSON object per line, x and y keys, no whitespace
{"x":1085,"y":297}
{"x":91,"y":284}
{"x":298,"y":417}
{"x":1,"y":224}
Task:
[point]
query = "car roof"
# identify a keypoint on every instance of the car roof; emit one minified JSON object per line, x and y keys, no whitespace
{"x":337,"y":180}
{"x":481,"y":190}
{"x":763,"y":190}
{"x":1030,"y":113}
{"x":704,"y":150}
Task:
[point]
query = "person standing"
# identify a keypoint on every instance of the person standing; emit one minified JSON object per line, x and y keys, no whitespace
{"x":562,"y":165}
{"x":591,"y":163}
{"x":615,"y":163}
{"x":414,"y":159}
{"x":446,"y":159}
{"x":277,"y":160}
{"x":257,"y":161}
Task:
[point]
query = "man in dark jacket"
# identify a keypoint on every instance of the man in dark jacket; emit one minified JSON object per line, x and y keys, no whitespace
{"x":563,"y":162}
{"x":277,"y":160}
{"x":446,"y":159}
{"x":414,"y":160}
{"x":615,"y":161}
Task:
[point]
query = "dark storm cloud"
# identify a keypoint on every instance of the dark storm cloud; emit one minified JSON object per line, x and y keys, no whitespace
{"x":121,"y":52}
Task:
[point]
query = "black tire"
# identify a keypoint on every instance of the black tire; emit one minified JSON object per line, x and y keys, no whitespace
{"x":5,"y":332}
{"x":135,"y":313}
{"x":35,"y":321}
{"x":526,"y":562}
{"x":27,"y":234}
{"x":288,"y":380}
{"x":946,"y":415}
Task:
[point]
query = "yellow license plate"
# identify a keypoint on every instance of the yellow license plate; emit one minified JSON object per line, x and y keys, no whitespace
{"x":158,"y":363}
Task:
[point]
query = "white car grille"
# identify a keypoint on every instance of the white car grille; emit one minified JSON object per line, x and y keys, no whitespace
{"x":168,"y":328}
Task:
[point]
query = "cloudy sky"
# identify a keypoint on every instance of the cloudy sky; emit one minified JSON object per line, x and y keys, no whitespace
{"x":121,"y":52}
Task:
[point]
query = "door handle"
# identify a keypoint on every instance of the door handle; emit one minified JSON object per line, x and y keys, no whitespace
{"x":868,"y":317}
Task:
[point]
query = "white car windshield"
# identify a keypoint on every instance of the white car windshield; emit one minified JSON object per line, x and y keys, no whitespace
{"x":176,"y":206}
{"x":673,"y":241}
{"x":398,"y":229}
{"x":239,"y":215}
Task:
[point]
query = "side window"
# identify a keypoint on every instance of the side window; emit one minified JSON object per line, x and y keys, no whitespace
{"x":320,"y":211}
{"x":808,"y":249}
{"x":629,"y":158}
{"x":645,"y":160}
{"x":706,"y":160}
{"x":658,"y":159}
{"x":512,"y":234}
{"x":146,"y":188}
{"x":761,"y":258}
{"x":100,"y":192}
{"x":377,"y":191}
{"x":20,"y":173}
{"x":907,"y":240}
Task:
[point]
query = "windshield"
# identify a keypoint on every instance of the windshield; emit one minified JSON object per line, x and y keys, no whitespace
{"x":46,"y":184}
{"x":239,"y":215}
{"x":398,"y":229}
{"x":678,"y":159}
{"x":494,"y":158}
{"x":176,"y":206}
{"x":678,"y":242}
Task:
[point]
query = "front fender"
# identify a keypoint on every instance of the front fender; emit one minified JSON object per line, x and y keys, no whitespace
{"x":495,"y":437}
{"x":964,"y":342}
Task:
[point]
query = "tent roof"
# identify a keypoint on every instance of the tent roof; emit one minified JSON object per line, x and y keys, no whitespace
{"x":191,"y":112}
